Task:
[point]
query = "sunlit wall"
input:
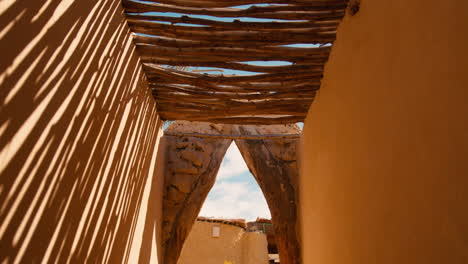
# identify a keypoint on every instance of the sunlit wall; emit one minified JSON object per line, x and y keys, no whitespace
{"x":384,"y":174}
{"x":78,"y":136}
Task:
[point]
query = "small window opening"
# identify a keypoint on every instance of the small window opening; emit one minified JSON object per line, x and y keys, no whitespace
{"x":216,"y":231}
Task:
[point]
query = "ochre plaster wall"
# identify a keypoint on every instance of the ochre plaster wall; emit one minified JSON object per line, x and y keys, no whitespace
{"x":78,"y":136}
{"x":384,"y":174}
{"x":255,"y":248}
{"x":234,"y":246}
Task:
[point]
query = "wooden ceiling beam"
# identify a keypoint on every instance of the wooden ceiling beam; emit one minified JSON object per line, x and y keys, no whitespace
{"x":283,"y":12}
{"x":295,"y":27}
{"x":272,"y":95}
{"x":307,"y":91}
{"x":248,"y":87}
{"x":239,"y":36}
{"x":285,"y":52}
{"x":232,"y":136}
{"x":244,"y":120}
{"x":236,"y":24}
{"x":230,"y":3}
{"x":180,"y":43}
{"x":189,"y":77}
{"x":291,"y":86}
{"x":243,"y":66}
{"x":307,"y":94}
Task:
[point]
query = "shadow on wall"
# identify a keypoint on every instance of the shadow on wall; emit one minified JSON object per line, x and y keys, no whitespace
{"x":78,"y":133}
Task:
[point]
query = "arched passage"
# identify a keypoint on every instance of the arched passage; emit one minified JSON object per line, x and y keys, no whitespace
{"x":192,"y":165}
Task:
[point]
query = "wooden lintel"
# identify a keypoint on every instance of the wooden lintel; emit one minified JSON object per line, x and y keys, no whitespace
{"x":240,"y":137}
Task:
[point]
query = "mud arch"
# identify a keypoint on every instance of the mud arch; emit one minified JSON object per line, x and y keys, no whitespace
{"x":192,"y":163}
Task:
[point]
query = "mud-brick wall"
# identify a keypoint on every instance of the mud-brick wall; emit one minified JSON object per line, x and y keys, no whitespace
{"x":255,"y":248}
{"x":78,"y":136}
{"x":233,"y":245}
{"x":384,"y":174}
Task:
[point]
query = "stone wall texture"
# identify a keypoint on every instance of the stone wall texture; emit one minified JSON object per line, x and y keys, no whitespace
{"x":192,"y":165}
{"x":273,"y":162}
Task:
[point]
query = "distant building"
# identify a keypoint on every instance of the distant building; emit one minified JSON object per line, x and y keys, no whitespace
{"x":224,"y":241}
{"x":265,"y":226}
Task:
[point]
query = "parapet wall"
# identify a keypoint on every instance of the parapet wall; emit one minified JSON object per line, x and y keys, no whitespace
{"x":78,"y":135}
{"x":233,"y":245}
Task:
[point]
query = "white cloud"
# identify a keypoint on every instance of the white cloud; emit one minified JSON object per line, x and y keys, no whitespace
{"x":234,"y":195}
{"x":235,"y":200}
{"x":233,"y":164}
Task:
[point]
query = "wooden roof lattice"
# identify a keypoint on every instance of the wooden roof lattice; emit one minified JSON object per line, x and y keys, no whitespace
{"x":172,"y":35}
